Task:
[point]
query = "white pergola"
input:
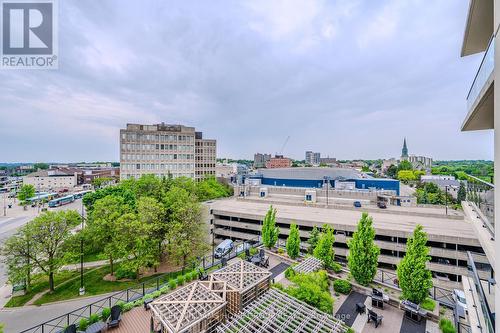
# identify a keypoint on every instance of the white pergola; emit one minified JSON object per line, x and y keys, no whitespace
{"x":308,"y":265}
{"x":193,"y":308}
{"x":276,"y":312}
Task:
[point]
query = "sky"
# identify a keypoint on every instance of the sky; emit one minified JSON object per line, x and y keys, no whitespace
{"x":347,"y":78}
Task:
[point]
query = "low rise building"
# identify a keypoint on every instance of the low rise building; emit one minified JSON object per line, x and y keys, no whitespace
{"x":51,"y":179}
{"x":279,"y":161}
{"x":313,"y":158}
{"x":259,"y":160}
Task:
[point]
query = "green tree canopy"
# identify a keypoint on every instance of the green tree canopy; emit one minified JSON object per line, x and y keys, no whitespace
{"x":406,"y":176}
{"x":25,"y":192}
{"x":363,"y":253}
{"x":462,"y":193}
{"x":313,"y":239}
{"x":405,"y":165}
{"x":293,"y":242}
{"x":324,"y":250}
{"x":415,"y":279}
{"x":270,"y":231}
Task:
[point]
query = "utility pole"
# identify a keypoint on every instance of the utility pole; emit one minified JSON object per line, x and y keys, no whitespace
{"x":446,"y":198}
{"x":82,"y":287}
{"x":4,"y":207}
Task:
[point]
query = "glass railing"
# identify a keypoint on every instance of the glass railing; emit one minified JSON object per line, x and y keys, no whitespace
{"x":485,"y":69}
{"x":485,"y":296}
{"x":482,"y":194}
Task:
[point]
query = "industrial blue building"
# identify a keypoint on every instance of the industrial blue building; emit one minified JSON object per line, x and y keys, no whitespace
{"x":318,"y":177}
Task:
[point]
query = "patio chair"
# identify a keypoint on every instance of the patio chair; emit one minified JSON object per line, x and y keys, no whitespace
{"x":115,"y":317}
{"x":262,"y":253}
{"x":223,"y":261}
{"x":376,"y":292}
{"x":376,"y":318}
{"x":247,"y":253}
{"x":70,"y":329}
{"x":264,"y":262}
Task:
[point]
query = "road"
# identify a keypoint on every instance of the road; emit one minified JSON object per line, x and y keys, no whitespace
{"x":15,"y":218}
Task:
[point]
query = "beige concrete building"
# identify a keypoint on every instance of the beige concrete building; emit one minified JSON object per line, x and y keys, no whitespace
{"x":483,"y":99}
{"x":450,"y":237}
{"x":51,"y":180}
{"x":163,"y":150}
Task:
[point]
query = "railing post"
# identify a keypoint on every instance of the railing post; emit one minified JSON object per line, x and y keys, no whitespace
{"x":109,"y":301}
{"x":158,"y":284}
{"x":90,"y":310}
{"x":143,"y":289}
{"x":382,"y":276}
{"x":127,"y":295}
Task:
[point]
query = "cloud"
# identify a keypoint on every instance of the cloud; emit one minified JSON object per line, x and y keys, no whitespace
{"x":347,"y":78}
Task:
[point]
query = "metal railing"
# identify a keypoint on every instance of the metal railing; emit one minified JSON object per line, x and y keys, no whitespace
{"x":58,"y":324}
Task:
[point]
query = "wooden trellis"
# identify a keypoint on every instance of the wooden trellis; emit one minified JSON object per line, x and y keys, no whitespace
{"x":246,"y":279}
{"x":193,"y":308}
{"x":276,"y":312}
{"x":309,"y":265}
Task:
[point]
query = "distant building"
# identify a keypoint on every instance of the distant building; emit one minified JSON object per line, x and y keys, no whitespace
{"x":418,"y":162}
{"x":279,"y":161}
{"x":437,"y":177}
{"x":387,"y":163}
{"x":259,"y":160}
{"x":164,"y":150}
{"x":313,"y":158}
{"x":328,"y":160}
{"x":51,"y":179}
{"x":445,"y":183}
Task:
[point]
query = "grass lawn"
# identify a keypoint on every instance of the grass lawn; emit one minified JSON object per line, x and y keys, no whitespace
{"x":88,"y":257}
{"x":94,"y":285}
{"x":40,"y":283}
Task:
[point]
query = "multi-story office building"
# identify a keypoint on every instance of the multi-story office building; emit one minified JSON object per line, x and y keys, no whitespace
{"x":481,"y":33}
{"x":51,"y":179}
{"x":259,"y":160}
{"x":163,"y":150}
{"x":313,"y":158}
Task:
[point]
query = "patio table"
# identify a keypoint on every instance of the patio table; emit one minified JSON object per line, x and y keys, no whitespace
{"x":96,"y":327}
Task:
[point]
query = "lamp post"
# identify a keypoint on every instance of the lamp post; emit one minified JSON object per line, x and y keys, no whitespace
{"x":82,"y":287}
{"x":4,"y":206}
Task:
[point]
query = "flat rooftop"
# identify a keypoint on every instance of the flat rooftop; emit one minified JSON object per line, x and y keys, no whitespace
{"x":403,"y":222}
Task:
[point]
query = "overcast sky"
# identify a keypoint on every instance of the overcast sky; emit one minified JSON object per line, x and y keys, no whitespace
{"x":347,"y":78}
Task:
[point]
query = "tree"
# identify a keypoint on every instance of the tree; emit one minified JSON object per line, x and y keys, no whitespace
{"x":99,"y":182}
{"x":187,"y":233}
{"x":40,"y":166}
{"x":48,"y":232}
{"x":392,"y":171}
{"x":25,"y":192}
{"x":16,"y":252}
{"x":270,"y":231}
{"x":293,"y":242}
{"x":363,"y":253}
{"x":102,"y":227}
{"x":405,"y":165}
{"x":313,"y":239}
{"x":324,"y":250}
{"x":415,"y":279}
{"x":152,"y":214}
{"x":462,"y":193}
{"x":406,"y":175}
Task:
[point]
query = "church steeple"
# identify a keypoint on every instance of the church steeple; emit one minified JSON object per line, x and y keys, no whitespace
{"x":404,"y":151}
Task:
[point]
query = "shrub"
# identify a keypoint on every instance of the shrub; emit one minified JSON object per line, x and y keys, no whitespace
{"x":123,"y":273}
{"x":164,"y":289}
{"x":106,"y":312}
{"x":336,"y":267}
{"x":94,"y":318}
{"x":172,"y":284}
{"x":121,"y":304}
{"x":180,"y":280}
{"x":313,"y":289}
{"x":350,"y":330}
{"x":428,"y":304}
{"x":342,"y":286}
{"x":289,"y":273}
{"x":83,"y":324}
{"x":138,"y":302}
{"x":278,"y":286}
{"x":253,"y":251}
{"x":128,"y":306}
{"x":446,"y":326}
{"x":281,"y":251}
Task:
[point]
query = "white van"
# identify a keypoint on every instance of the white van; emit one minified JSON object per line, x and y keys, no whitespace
{"x":223,"y":248}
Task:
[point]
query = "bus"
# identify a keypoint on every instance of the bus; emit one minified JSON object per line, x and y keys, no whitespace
{"x":79,"y":195}
{"x":41,"y":196}
{"x":61,"y":201}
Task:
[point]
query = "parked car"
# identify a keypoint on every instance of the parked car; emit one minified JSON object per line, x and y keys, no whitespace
{"x":357,"y":204}
{"x":223,"y":248}
{"x":381,"y":204}
{"x":459,"y":297}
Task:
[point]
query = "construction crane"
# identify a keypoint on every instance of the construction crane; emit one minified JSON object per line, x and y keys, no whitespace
{"x":283,"y":147}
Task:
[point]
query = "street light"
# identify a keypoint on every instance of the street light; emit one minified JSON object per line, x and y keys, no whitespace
{"x":446,"y":198}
